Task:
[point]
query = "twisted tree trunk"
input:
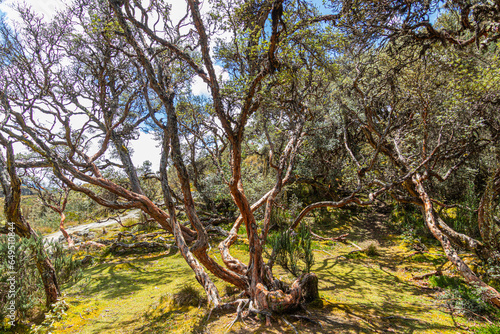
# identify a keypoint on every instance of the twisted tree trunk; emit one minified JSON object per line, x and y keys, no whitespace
{"x":11,"y":185}
{"x":488,"y":293}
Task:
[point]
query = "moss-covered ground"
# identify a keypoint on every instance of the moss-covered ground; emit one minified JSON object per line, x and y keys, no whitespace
{"x":359,"y":293}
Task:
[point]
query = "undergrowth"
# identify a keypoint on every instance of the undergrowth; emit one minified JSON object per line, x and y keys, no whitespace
{"x":29,"y":296}
{"x":462,"y":298}
{"x":293,"y":250}
{"x":488,"y":329}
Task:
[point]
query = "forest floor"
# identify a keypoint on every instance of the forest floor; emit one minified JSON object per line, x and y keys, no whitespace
{"x":359,"y":293}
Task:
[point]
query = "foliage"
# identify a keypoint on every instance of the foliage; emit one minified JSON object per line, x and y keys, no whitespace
{"x":488,"y":329}
{"x":293,"y":250}
{"x":409,"y":222}
{"x":29,"y":294}
{"x":463,"y":218}
{"x":56,"y":313}
{"x":462,"y":298}
{"x":79,"y":209}
{"x":68,"y":269}
{"x":280,"y":218}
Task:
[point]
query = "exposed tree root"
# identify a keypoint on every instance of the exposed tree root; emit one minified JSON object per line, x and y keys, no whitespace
{"x":304,"y":289}
{"x":241,"y":305}
{"x":340,"y":238}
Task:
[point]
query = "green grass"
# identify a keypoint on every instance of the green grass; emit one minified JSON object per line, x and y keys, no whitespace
{"x":359,"y":293}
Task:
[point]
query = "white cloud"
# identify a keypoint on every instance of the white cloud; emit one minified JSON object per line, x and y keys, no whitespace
{"x":199,"y":87}
{"x":146,"y":148}
{"x":48,"y":8}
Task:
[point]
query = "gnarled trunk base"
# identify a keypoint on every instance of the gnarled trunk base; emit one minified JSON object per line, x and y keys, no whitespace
{"x":303,"y":290}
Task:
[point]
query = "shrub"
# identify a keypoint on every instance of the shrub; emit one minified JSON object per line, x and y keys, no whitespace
{"x":30,"y":290}
{"x":371,"y":250}
{"x":188,"y":296}
{"x":461,"y":298}
{"x":489,"y":329}
{"x":293,"y":251}
{"x":445,"y":282}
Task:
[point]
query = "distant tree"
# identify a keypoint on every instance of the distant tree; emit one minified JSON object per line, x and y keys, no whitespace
{"x":53,"y":194}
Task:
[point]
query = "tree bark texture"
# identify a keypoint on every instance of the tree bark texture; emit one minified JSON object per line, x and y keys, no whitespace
{"x":488,"y":293}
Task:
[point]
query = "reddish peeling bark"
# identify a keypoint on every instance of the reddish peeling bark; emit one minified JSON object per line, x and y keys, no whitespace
{"x":303,"y":289}
{"x":69,"y":239}
{"x":49,"y":280}
{"x":199,"y":248}
{"x":486,"y":223}
{"x":231,"y":262}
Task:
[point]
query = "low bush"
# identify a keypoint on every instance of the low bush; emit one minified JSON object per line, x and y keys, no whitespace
{"x":30,"y":295}
{"x":188,"y":296}
{"x":371,"y":250}
{"x":462,"y":298}
{"x":293,"y":250}
{"x":488,"y":329}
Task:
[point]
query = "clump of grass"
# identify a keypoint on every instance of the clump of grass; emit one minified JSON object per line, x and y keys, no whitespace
{"x":188,"y":296}
{"x":489,"y":329}
{"x":354,"y":255}
{"x":445,"y":282}
{"x":371,"y":250}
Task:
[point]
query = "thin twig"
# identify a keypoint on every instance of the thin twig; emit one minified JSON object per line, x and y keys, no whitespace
{"x":290,"y":324}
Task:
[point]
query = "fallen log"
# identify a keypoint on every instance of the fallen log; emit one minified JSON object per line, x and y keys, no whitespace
{"x":120,"y":248}
{"x":339,"y":238}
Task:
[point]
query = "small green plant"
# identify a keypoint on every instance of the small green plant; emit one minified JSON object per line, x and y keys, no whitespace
{"x":488,"y":329}
{"x":293,"y":251}
{"x":188,"y":296}
{"x":371,"y":250}
{"x":462,"y":298}
{"x":67,"y":268}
